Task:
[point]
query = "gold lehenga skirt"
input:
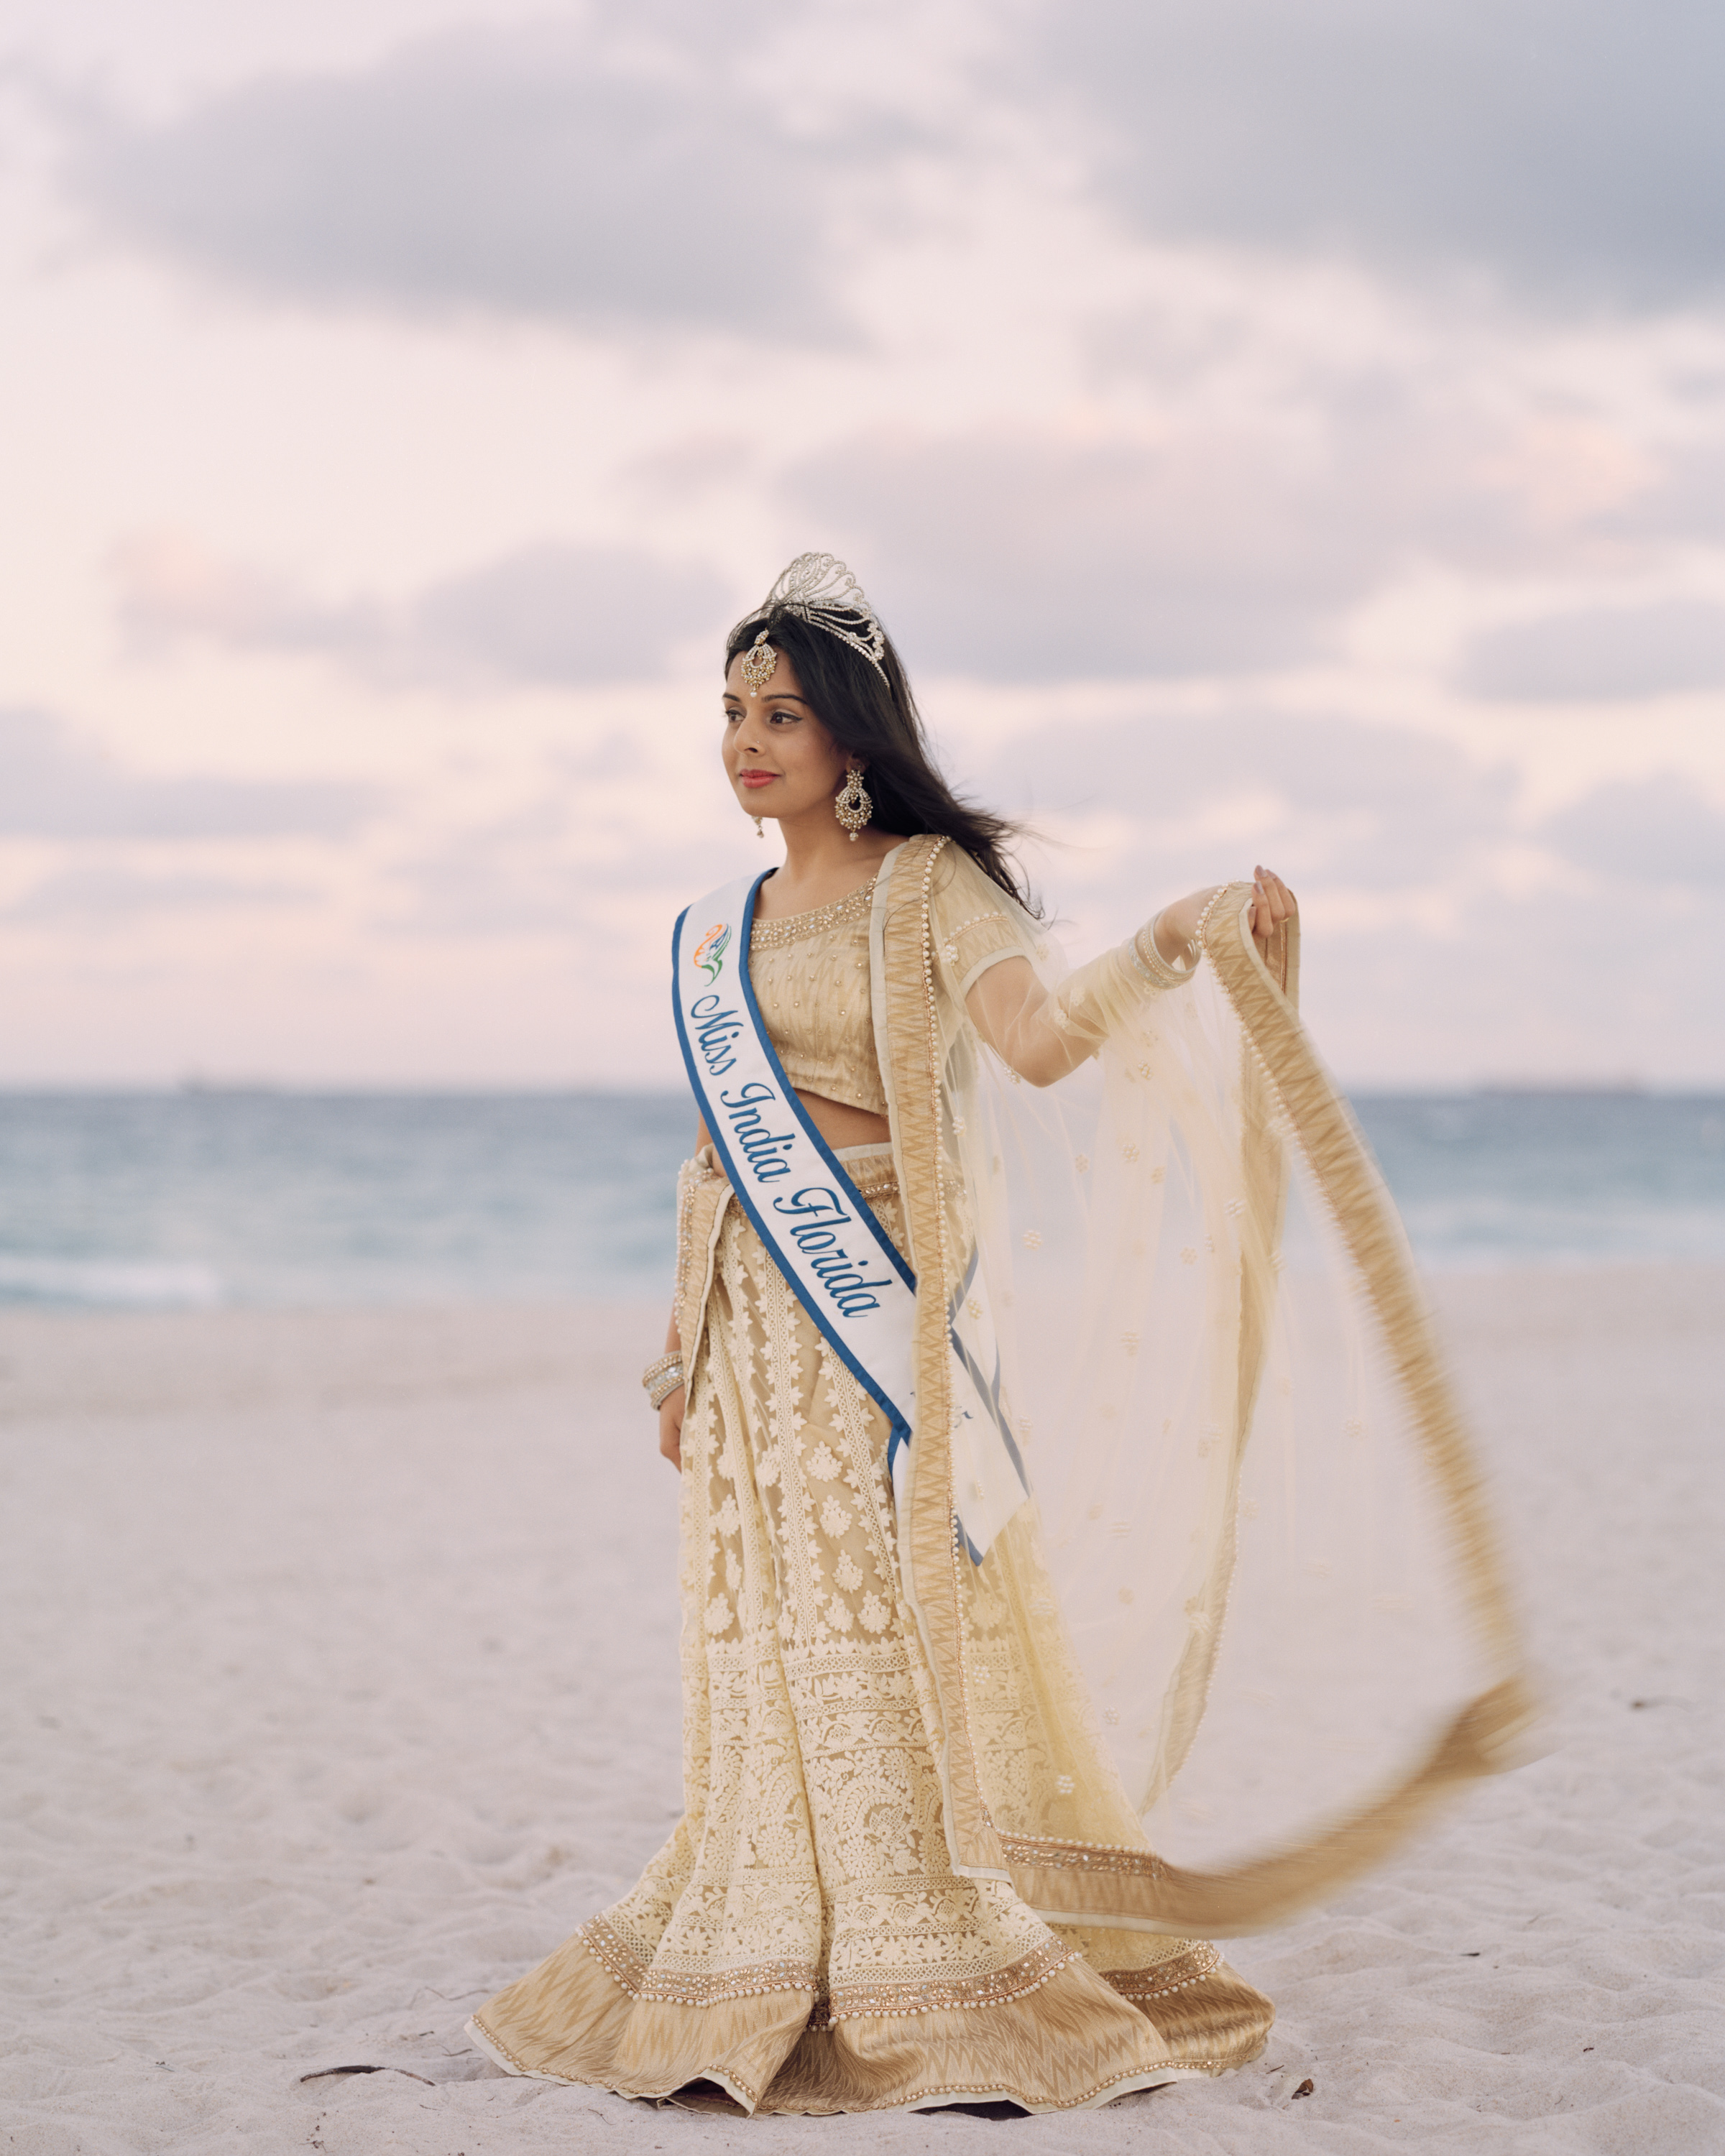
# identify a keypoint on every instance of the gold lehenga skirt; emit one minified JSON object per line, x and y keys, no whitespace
{"x":801,"y":1941}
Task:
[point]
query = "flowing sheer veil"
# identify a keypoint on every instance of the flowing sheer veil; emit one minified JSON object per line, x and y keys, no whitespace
{"x":1251,"y":1621}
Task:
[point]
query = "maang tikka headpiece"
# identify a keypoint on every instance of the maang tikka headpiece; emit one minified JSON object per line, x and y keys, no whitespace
{"x":820,"y":589}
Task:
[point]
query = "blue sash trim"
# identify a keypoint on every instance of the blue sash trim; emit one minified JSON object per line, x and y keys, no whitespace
{"x":880,"y":1244}
{"x":987,"y":1389}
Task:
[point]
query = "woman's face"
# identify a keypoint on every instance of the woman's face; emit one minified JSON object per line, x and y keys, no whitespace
{"x":780,"y":759}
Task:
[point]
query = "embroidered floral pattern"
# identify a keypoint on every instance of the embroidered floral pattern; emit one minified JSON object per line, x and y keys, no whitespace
{"x":812,"y":1856}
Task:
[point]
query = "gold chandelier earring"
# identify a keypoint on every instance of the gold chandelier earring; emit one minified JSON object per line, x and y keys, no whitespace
{"x":851,"y":805}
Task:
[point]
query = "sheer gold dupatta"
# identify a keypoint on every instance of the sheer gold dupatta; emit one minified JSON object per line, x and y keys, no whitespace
{"x":1253,"y":1620}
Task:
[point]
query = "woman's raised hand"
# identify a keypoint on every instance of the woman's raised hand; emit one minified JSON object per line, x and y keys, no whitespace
{"x":1272,"y":904}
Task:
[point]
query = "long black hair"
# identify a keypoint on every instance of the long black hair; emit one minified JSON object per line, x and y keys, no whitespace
{"x":875,"y":720}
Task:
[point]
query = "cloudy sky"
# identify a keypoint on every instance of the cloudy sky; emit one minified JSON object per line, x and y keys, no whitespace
{"x":1281,"y":430}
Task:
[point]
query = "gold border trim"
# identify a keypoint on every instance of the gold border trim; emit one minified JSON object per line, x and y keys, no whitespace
{"x":913,"y":1028}
{"x":852,"y":2002}
{"x":1047,"y":1849}
{"x":655,"y":1986}
{"x":1141,"y":1987}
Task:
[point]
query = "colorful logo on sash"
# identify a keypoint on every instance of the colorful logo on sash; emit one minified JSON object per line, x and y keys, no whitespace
{"x":710,"y":951}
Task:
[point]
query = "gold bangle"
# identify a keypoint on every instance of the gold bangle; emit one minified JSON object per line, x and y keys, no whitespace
{"x":1154,"y":967}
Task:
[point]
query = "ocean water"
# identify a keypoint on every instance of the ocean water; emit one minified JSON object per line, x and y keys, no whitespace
{"x":193,"y":1199}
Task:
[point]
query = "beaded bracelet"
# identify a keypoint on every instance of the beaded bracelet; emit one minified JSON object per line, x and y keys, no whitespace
{"x":662,"y":1378}
{"x":1155,"y":968}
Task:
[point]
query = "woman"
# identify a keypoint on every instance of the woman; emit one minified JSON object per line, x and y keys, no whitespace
{"x":996,"y":1408}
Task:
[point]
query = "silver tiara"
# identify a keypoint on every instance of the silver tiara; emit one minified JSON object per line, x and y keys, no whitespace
{"x":818,"y":588}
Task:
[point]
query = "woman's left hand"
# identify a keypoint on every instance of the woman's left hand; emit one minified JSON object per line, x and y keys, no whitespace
{"x":1272,"y":904}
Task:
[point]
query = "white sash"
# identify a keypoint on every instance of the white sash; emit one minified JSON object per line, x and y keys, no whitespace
{"x":840,"y":1260}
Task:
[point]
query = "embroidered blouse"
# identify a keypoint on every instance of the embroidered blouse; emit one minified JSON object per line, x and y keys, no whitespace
{"x":810,"y":974}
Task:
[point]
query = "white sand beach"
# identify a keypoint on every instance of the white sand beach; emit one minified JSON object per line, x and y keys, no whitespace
{"x":340,"y":1683}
